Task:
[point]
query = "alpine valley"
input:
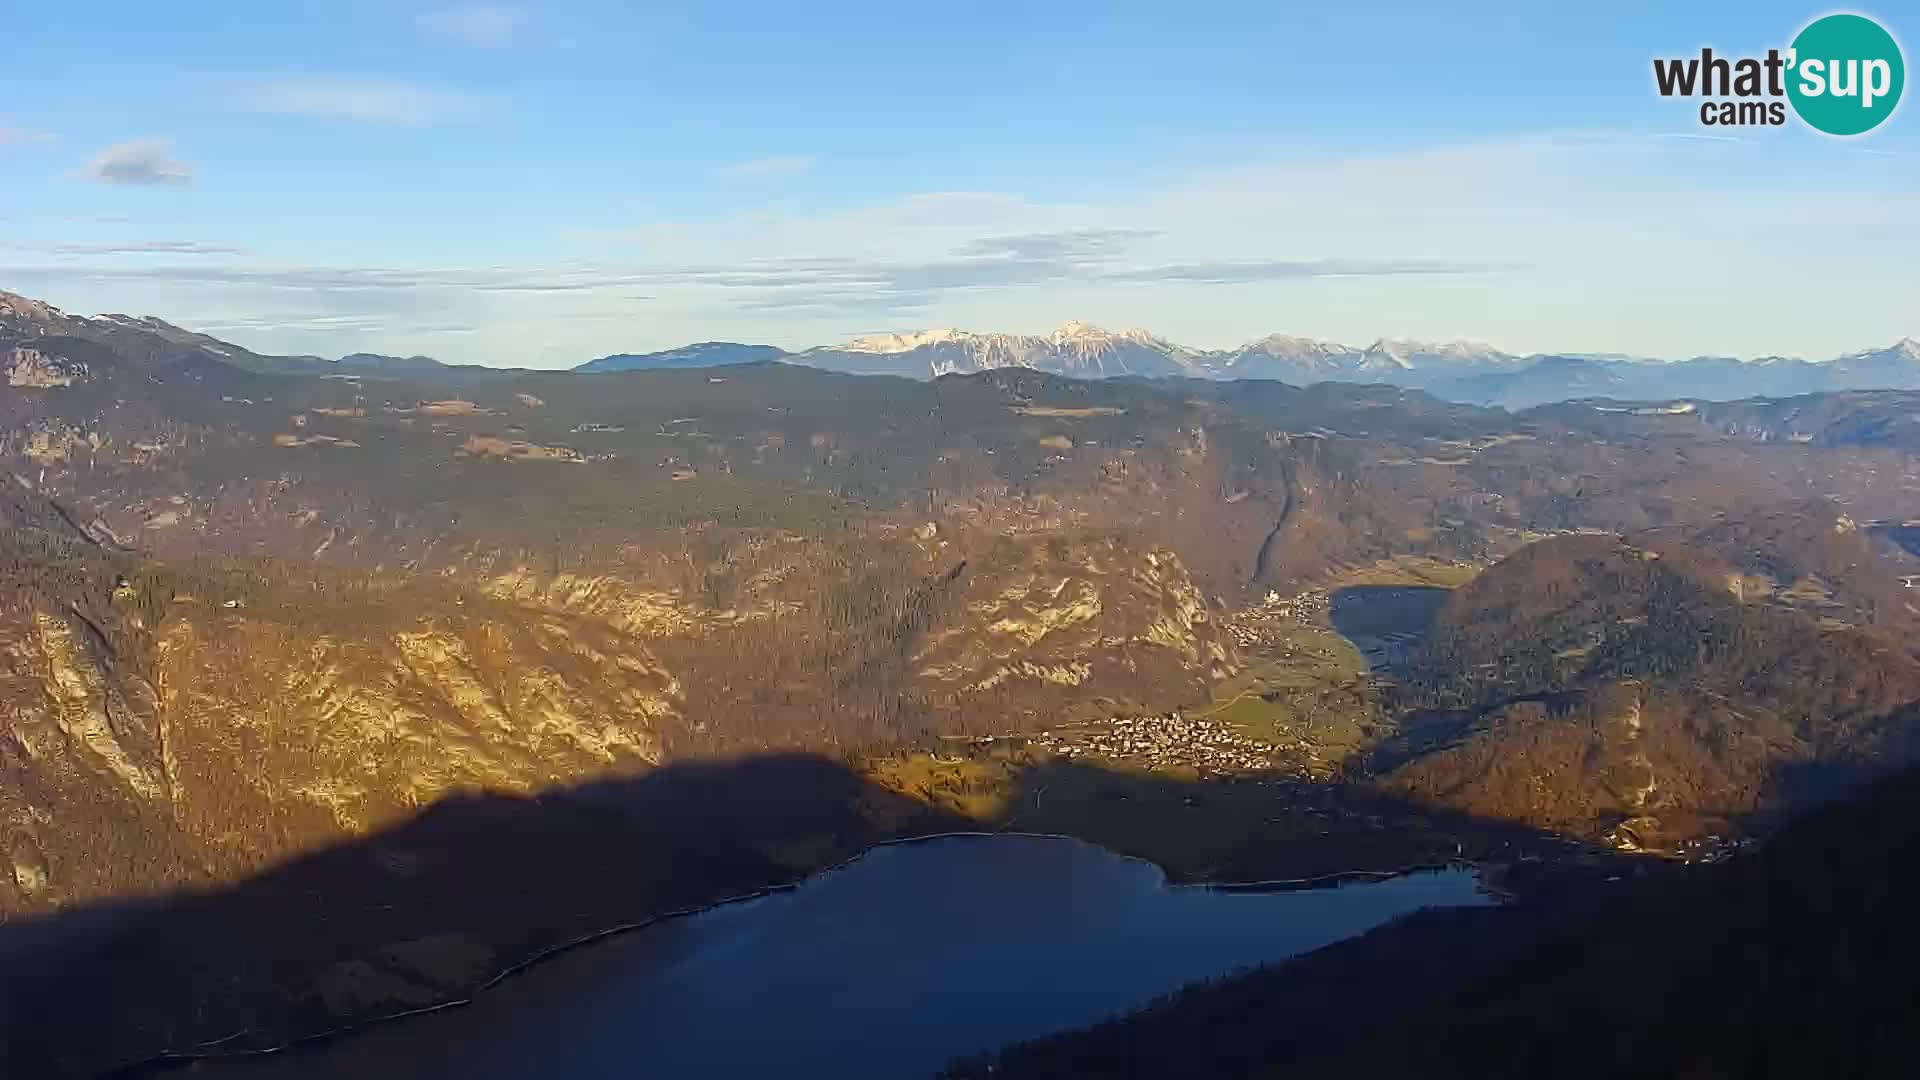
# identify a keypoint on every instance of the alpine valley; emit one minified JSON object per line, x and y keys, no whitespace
{"x":331,"y":690}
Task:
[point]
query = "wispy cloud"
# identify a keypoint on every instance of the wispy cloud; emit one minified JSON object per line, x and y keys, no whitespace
{"x":476,"y":25}
{"x":1053,"y":259}
{"x":308,"y":323}
{"x":1331,"y":245}
{"x":1075,"y":243}
{"x":368,"y":100}
{"x":1696,"y":136}
{"x":1228,"y":272}
{"x":148,"y":247}
{"x":145,"y":160}
{"x":776,"y":165}
{"x":878,"y":285}
{"x":10,"y":135}
{"x":312,"y":323}
{"x":364,"y":280}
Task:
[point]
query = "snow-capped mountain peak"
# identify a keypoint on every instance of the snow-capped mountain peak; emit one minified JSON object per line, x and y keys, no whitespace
{"x":907,"y":342}
{"x":1409,"y":354}
{"x":1293,"y":343}
{"x":1074,"y":348}
{"x":1904,"y":353}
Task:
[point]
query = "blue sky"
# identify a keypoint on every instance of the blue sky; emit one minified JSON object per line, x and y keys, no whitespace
{"x":540,"y":183}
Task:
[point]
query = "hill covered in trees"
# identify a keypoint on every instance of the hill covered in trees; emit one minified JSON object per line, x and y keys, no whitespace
{"x":1644,"y":684}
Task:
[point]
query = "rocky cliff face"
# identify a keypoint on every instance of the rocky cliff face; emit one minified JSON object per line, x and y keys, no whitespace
{"x":154,"y":733}
{"x":27,"y":367}
{"x":1091,"y":614}
{"x":200,"y":722}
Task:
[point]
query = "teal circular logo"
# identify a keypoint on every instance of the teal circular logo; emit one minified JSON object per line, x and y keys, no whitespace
{"x":1845,"y":74}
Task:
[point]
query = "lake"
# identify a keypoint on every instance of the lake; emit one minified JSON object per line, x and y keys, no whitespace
{"x":889,"y":966}
{"x":1385,"y":622}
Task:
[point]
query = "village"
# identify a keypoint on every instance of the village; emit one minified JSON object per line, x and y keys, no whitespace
{"x":1260,"y":625}
{"x":1167,"y":740}
{"x":1208,"y":742}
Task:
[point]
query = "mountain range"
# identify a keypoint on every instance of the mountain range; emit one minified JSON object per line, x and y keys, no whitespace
{"x":1467,"y":372}
{"x":699,"y":354}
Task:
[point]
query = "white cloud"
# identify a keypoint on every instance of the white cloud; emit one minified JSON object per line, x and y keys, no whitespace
{"x":370,"y":100}
{"x":145,"y":160}
{"x":776,"y":165}
{"x":476,"y":25}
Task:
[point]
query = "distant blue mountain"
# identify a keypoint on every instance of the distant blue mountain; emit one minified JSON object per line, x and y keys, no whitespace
{"x":1709,"y":378}
{"x":701,"y":354}
{"x":1460,"y":371}
{"x":418,"y":365}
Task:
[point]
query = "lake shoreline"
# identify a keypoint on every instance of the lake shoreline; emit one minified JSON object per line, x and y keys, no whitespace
{"x":209,"y":1052}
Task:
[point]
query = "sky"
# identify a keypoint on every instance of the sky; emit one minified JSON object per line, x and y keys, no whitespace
{"x":538,"y":184}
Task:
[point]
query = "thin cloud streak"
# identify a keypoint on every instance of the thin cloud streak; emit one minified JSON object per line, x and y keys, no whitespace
{"x":143,"y":247}
{"x":776,"y":165}
{"x":880,"y":286}
{"x":15,"y":136}
{"x":1227,"y":272}
{"x":480,"y":26}
{"x":365,"y":100}
{"x":306,"y":323}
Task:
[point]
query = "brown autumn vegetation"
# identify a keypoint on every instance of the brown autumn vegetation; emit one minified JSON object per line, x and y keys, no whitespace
{"x":224,"y":643}
{"x":789,"y":558}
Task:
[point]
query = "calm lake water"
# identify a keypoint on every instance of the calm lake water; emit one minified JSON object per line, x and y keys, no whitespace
{"x":891,"y":966}
{"x":1385,"y":622}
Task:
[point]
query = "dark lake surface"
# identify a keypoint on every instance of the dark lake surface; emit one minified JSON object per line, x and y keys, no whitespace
{"x":1385,"y":622}
{"x":1907,"y":536}
{"x":890,"y":966}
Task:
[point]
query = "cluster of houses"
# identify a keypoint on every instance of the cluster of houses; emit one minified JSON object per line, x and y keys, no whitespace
{"x":1636,"y":836}
{"x":1169,"y":739}
{"x":1256,"y":626}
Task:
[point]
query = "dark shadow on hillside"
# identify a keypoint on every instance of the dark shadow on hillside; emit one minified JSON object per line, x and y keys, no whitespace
{"x":299,"y":948}
{"x":1422,"y":731}
{"x":1273,"y":827}
{"x":426,"y":910}
{"x":1797,"y":960}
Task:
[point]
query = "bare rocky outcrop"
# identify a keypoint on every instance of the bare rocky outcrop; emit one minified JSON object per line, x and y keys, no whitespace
{"x":222,"y":738}
{"x":1096,"y":613}
{"x":30,"y":368}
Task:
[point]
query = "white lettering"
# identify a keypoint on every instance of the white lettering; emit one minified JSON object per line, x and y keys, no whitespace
{"x":1848,"y":86}
{"x":1813,"y":77}
{"x":1879,"y":80}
